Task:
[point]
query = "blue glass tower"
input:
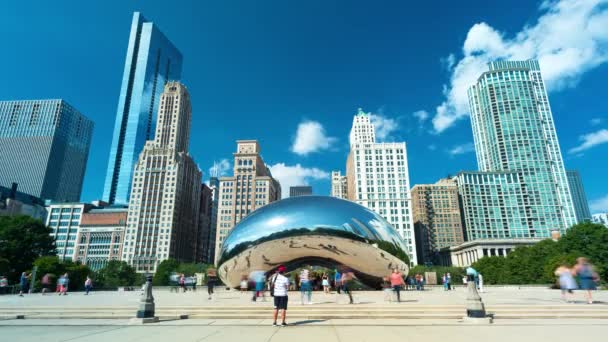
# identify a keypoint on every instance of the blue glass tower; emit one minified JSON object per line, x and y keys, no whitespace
{"x":151,"y":62}
{"x":44,"y":147}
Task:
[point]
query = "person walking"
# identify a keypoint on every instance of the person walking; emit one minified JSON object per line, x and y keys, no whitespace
{"x":418,"y":282}
{"x":480,"y":282}
{"x":566,"y":282}
{"x":305,"y":287}
{"x":211,"y":279}
{"x":279,"y":285}
{"x":3,"y":285}
{"x":347,"y":278}
{"x":325,"y":283}
{"x":24,"y":283}
{"x":88,"y":285}
{"x":66,"y":283}
{"x":449,"y":279}
{"x":588,"y":278}
{"x":397,"y":282}
{"x":46,"y":283}
{"x":338,"y":281}
{"x":182,"y":282}
{"x":444,"y":281}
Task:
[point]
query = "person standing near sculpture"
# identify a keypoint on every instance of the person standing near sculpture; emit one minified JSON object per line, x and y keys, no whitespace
{"x":305,"y":287}
{"x":566,"y":282}
{"x":24,"y":283}
{"x":279,"y":285}
{"x":211,"y":278}
{"x":588,"y":278}
{"x":325,"y":283}
{"x":347,"y":278}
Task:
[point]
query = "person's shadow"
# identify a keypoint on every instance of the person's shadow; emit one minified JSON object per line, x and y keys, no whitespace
{"x":308,"y":321}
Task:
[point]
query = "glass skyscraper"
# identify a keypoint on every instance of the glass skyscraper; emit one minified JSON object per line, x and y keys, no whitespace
{"x":151,"y":62}
{"x":513,"y":131}
{"x":44,"y":147}
{"x":579,"y":199}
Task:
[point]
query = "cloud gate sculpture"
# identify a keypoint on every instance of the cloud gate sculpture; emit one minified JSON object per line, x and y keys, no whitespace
{"x":312,"y":230}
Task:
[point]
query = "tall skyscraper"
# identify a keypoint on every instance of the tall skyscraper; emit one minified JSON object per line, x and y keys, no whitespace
{"x":250,"y":187}
{"x":579,"y":199}
{"x":339,"y":185}
{"x":513,"y":131}
{"x":151,"y":62}
{"x":164,"y":207}
{"x":301,"y":190}
{"x":44,"y":148}
{"x":377,"y":178}
{"x":204,"y":224}
{"x":214,"y":185}
{"x":437,"y":219}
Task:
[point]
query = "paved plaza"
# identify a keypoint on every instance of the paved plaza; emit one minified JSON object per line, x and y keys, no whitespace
{"x":435,"y":316}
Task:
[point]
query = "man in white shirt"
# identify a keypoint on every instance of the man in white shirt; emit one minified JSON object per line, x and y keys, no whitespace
{"x":280,"y":285}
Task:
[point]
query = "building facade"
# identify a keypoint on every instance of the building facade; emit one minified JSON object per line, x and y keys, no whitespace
{"x":579,"y":198}
{"x":13,"y":202}
{"x":250,"y":188}
{"x":204,"y":224}
{"x":164,"y":206}
{"x":301,"y":190}
{"x":214,"y":185}
{"x":64,"y":220}
{"x":601,"y":218}
{"x":513,"y":131}
{"x":339,"y":185}
{"x":151,"y":62}
{"x":466,"y":254}
{"x":437,"y":220}
{"x":45,"y":147}
{"x":377,"y":178}
{"x":100,"y":237}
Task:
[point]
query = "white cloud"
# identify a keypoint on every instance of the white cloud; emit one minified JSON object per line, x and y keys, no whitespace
{"x":599,"y":205}
{"x":311,"y":137}
{"x":569,"y":39}
{"x":590,"y":140}
{"x":383,"y":126}
{"x":421,"y":115}
{"x":295,"y":175}
{"x":596,"y":121}
{"x":461,"y":149}
{"x":220,"y":168}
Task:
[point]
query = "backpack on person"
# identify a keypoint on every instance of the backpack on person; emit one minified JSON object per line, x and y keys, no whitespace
{"x":274,"y":279}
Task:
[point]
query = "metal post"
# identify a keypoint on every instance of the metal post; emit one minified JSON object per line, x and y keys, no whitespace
{"x":146,"y":303}
{"x":475,"y":307}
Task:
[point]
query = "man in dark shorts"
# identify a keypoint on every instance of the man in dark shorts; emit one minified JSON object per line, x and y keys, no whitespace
{"x":280,"y":285}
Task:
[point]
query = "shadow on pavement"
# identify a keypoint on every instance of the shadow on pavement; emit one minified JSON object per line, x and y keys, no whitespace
{"x":308,"y":321}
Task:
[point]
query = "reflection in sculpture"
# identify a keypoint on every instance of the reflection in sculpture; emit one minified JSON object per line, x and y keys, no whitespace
{"x":314,"y":230}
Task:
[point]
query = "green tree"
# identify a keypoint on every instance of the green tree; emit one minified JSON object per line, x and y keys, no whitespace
{"x":493,"y":269}
{"x":163,"y":271}
{"x":115,"y":274}
{"x":77,"y":273}
{"x":588,"y":240}
{"x":22,"y":240}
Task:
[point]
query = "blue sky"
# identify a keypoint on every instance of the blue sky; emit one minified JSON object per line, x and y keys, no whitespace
{"x":269,"y":70}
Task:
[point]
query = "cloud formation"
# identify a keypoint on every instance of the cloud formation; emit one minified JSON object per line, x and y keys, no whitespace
{"x":384,"y":126}
{"x":295,"y":175}
{"x":220,"y":168}
{"x":569,"y":39}
{"x":461,"y":149}
{"x":599,"y":205}
{"x":421,"y":115}
{"x":311,"y":137}
{"x":590,"y":140}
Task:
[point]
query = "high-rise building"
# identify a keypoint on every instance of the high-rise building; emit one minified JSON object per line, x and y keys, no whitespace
{"x":437,"y":220}
{"x":204,"y":224}
{"x":64,"y":220}
{"x":151,"y":62}
{"x":601,"y":218}
{"x":214,"y":185}
{"x":14,"y":202}
{"x":579,"y":199}
{"x":339,"y":185}
{"x":165,"y":201}
{"x":514,"y":132}
{"x":300,"y":190}
{"x":100,"y":237}
{"x":250,"y":187}
{"x":377,"y":178}
{"x":45,"y":147}
{"x":493,"y":205}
